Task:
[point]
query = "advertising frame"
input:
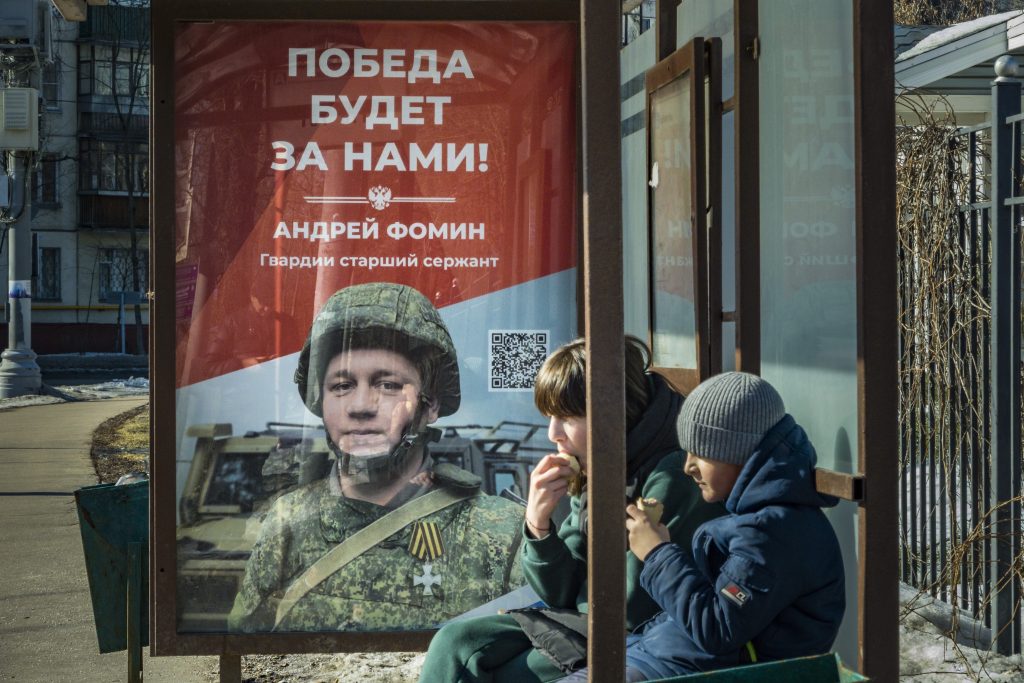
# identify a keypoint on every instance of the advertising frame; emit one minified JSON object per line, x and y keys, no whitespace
{"x":599,"y":279}
{"x":697,"y":64}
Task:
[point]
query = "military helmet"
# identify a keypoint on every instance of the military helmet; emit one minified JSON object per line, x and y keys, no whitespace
{"x":378,"y":315}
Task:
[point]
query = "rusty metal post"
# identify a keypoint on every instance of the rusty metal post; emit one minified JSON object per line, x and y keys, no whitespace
{"x":603,"y":328}
{"x":877,"y":343}
{"x":665,"y":27}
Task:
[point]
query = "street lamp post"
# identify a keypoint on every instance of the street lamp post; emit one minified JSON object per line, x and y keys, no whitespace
{"x":19,"y":372}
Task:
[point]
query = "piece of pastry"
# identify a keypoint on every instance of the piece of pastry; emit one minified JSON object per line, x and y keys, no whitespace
{"x":576,"y":480}
{"x":652,"y":507}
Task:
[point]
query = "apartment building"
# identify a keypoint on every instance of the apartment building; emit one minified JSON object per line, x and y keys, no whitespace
{"x":84,"y":192}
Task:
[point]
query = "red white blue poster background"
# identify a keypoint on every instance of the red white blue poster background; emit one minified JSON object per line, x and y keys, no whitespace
{"x":310,"y":157}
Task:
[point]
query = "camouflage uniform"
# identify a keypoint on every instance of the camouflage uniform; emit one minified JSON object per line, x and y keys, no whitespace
{"x":375,"y":591}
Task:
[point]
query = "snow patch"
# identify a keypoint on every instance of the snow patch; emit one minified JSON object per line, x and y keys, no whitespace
{"x":28,"y":400}
{"x":133,"y":386}
{"x":957,"y":31}
{"x":929,"y":655}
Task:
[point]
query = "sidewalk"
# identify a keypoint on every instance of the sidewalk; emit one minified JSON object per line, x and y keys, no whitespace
{"x":46,"y":622}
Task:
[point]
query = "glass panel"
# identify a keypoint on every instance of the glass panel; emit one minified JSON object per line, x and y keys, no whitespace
{"x":142,"y":171}
{"x":51,"y":85}
{"x":104,"y":80}
{"x":85,"y":78}
{"x":112,"y":272}
{"x":143,"y":77}
{"x":105,"y":166}
{"x":710,"y":19}
{"x":49,"y":274}
{"x":116,"y":271}
{"x":375,"y":231}
{"x":674,"y":318}
{"x":110,"y":169}
{"x":808,"y":221}
{"x":637,"y":21}
{"x":87,"y":177}
{"x":123,"y":82}
{"x":635,"y":59}
{"x":45,"y":180}
{"x":808,"y":246}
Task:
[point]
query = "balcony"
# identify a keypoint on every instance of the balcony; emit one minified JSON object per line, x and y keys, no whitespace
{"x":116,"y":24}
{"x":110,"y":212}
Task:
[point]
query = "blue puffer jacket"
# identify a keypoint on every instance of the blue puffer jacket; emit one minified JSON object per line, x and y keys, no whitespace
{"x":770,"y":572}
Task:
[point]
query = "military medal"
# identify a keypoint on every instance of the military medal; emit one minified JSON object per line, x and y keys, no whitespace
{"x":426,"y":545}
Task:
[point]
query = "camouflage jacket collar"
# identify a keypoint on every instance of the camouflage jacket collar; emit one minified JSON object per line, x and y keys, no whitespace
{"x":340,"y":516}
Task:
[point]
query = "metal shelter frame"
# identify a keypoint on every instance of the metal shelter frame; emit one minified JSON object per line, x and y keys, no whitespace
{"x":601,"y":304}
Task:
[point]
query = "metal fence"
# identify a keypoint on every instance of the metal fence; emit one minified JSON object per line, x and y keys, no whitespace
{"x":960,"y":212}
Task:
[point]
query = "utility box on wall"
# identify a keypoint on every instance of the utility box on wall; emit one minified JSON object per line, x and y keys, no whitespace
{"x":18,"y":20}
{"x":19,"y":119}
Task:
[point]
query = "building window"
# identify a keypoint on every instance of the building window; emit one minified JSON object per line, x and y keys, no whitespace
{"x":44,"y":182}
{"x":115,"y":271}
{"x":113,"y":70}
{"x":637,"y":17}
{"x":106,"y":166}
{"x":48,"y":282}
{"x":50,"y":83}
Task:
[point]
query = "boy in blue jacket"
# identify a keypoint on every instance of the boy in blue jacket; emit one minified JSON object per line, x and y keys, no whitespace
{"x":764,"y":582}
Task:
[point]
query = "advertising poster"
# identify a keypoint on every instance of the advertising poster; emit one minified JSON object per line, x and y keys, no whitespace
{"x":376,"y":248}
{"x":674,"y":320}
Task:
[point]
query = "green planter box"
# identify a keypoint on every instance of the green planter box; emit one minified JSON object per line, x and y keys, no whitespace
{"x":112,"y":520}
{"x":818,"y":669}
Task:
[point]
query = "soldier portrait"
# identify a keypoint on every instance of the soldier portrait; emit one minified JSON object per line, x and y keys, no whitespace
{"x":342,"y":454}
{"x":378,"y":535}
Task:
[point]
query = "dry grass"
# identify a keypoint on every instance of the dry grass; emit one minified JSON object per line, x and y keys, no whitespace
{"x":121,"y":445}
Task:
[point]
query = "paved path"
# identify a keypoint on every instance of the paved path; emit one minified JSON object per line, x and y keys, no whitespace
{"x":46,"y":624}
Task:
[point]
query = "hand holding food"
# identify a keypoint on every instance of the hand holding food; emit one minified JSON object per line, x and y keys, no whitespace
{"x":548,"y":485}
{"x":643,"y":536}
{"x":652,"y":507}
{"x":576,"y":480}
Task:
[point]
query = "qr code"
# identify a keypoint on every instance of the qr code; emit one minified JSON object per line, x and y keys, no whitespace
{"x":515,"y":358}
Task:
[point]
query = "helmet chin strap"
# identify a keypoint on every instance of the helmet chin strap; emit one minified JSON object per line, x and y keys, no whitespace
{"x":384,"y":467}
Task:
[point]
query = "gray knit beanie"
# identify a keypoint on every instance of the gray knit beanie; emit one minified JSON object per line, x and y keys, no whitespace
{"x":727,"y":415}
